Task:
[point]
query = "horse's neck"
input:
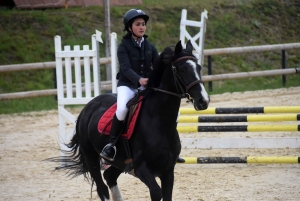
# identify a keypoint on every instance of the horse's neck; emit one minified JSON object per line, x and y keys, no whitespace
{"x":164,"y":103}
{"x":162,"y":108}
{"x":161,"y":103}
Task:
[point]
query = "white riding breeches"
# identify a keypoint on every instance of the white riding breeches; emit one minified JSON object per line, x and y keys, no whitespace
{"x":124,"y":95}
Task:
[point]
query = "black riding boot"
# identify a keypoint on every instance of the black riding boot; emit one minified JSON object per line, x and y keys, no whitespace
{"x":109,"y":151}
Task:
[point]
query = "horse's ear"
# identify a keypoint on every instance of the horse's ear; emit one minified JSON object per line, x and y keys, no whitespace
{"x":178,"y":47}
{"x":189,"y":46}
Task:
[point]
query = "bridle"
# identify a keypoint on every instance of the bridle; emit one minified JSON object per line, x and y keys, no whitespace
{"x":179,"y":83}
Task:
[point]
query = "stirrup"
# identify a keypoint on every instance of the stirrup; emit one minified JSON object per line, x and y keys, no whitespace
{"x":103,"y":150}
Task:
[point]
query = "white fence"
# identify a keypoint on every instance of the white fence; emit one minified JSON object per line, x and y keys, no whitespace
{"x":87,"y":83}
{"x":199,"y":36}
{"x":107,"y":85}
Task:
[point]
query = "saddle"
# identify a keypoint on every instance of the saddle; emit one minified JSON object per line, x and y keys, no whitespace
{"x":105,"y":123}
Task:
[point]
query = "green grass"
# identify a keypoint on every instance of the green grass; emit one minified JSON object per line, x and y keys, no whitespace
{"x":28,"y":104}
{"x":27,"y":36}
{"x":253,"y":84}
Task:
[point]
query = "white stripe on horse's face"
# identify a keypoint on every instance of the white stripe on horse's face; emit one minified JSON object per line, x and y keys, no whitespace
{"x":194,"y":65}
{"x":203,"y":91}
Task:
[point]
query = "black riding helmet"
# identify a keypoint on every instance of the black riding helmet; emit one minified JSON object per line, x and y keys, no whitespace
{"x":131,"y":15}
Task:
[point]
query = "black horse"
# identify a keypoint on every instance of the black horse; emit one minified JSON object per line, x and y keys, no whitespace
{"x":155,"y":143}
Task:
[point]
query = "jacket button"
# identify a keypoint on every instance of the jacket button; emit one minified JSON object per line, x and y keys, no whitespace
{"x":142,"y":72}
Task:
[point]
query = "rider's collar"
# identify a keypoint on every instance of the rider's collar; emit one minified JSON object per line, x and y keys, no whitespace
{"x":139,"y":44}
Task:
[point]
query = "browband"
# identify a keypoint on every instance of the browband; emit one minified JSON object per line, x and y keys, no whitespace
{"x":185,"y":57}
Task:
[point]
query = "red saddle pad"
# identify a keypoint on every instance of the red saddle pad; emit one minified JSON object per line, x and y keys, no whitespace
{"x":105,"y":122}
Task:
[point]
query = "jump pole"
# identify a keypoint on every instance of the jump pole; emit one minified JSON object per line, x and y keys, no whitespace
{"x":249,"y":159}
{"x":244,"y":110}
{"x":245,"y":118}
{"x":239,"y":128}
{"x":240,"y":143}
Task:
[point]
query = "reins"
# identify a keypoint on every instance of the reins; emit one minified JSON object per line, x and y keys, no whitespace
{"x":168,"y":92}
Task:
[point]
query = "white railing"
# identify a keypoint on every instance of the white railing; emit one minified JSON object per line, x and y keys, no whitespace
{"x":260,"y":48}
{"x":107,"y":85}
{"x":78,"y":82}
{"x":42,"y":65}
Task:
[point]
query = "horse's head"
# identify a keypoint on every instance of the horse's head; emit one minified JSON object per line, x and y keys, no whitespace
{"x":186,"y":72}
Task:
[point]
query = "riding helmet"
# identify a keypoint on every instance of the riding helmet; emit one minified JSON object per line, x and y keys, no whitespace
{"x":131,"y":15}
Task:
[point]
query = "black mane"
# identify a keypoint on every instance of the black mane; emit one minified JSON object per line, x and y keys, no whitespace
{"x":163,"y":61}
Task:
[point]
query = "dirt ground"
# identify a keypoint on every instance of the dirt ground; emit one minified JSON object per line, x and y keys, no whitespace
{"x":27,"y":139}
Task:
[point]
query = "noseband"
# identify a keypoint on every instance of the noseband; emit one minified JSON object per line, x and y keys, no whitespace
{"x":179,"y":83}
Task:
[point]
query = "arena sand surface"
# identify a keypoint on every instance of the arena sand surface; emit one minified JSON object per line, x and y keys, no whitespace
{"x":27,"y":139}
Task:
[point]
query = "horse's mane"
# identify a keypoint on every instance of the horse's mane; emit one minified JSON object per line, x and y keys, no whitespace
{"x":160,"y":64}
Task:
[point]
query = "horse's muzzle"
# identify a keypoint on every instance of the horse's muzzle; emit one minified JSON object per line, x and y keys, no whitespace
{"x":201,"y":104}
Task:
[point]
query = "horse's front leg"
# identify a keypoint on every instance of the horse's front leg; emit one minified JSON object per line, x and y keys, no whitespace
{"x":148,"y":178}
{"x":167,"y":182}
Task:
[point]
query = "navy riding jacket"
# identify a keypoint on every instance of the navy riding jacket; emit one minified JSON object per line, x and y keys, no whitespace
{"x":135,"y":61}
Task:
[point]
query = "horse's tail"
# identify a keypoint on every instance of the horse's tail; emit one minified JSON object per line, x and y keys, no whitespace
{"x":73,"y":159}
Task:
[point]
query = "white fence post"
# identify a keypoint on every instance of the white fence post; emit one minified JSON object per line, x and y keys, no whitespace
{"x":183,"y":26}
{"x":78,"y":97}
{"x":96,"y":67}
{"x":199,"y":36}
{"x":114,"y":61}
{"x":60,"y":93}
{"x":202,"y":36}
